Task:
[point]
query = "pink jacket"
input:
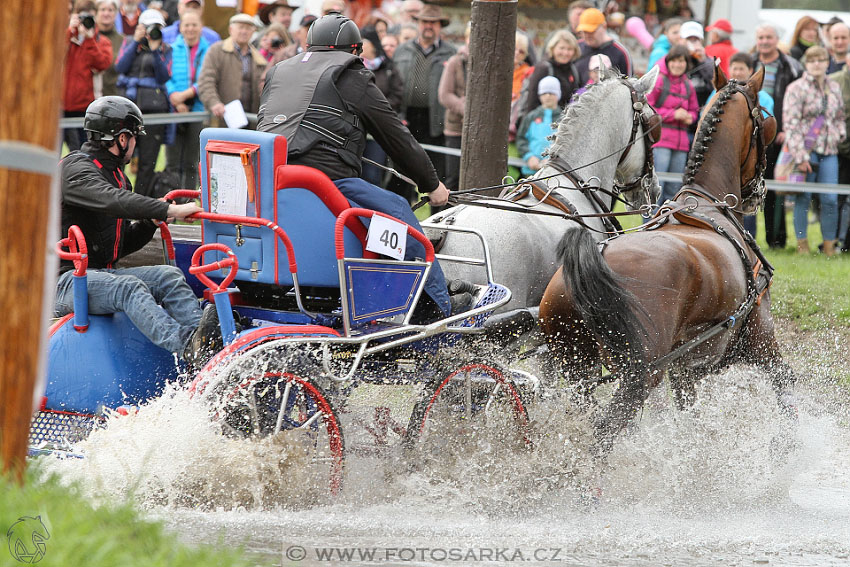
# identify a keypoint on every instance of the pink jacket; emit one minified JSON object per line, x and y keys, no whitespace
{"x":674,"y":133}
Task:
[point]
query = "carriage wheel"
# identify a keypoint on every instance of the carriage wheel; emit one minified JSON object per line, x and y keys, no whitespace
{"x":472,"y":410}
{"x":277,"y":403}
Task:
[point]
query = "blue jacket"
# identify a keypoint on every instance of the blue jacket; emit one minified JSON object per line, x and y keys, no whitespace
{"x":180,"y":71}
{"x":660,"y":48}
{"x":533,"y":133}
{"x":172,"y":32}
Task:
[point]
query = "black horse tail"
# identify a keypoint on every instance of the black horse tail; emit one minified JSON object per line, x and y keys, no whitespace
{"x":608,"y":310}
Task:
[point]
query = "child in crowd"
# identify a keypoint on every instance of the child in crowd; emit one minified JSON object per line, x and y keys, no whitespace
{"x":593,"y":71}
{"x":536,"y":126}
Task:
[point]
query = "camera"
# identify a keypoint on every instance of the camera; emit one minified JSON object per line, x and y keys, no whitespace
{"x":87,"y":20}
{"x":154,"y":32}
{"x":276,"y":42}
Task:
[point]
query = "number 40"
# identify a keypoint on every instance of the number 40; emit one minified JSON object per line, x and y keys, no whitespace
{"x":389,"y":239}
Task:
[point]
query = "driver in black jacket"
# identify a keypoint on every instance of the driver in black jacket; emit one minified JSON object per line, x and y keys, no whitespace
{"x":325,"y":101}
{"x":115,"y":221}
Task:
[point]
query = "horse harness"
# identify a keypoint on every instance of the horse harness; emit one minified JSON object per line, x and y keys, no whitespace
{"x":546,"y":194}
{"x":759,"y":273}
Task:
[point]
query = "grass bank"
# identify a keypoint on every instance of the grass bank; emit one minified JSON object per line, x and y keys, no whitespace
{"x":80,"y":534}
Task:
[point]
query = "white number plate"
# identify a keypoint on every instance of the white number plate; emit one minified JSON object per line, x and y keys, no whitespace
{"x":387,"y":237}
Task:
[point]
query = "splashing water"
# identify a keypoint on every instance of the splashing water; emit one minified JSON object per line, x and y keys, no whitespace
{"x":703,"y":486}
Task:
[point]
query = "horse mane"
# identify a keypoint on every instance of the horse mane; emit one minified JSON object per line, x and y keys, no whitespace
{"x":708,"y":126}
{"x":577,"y":108}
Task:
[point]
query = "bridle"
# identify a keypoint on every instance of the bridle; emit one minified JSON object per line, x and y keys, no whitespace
{"x":645,"y":180}
{"x":652,"y":133}
{"x":754,"y":190}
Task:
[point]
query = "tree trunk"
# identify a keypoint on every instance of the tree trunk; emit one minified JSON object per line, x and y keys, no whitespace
{"x":32,"y":78}
{"x":484,"y":149}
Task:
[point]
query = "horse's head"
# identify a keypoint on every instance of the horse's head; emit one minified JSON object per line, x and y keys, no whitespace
{"x":736,"y":131}
{"x":592,"y":140}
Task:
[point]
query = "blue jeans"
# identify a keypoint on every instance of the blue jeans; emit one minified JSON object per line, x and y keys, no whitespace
{"x":827,"y":173}
{"x":156,"y":299}
{"x":671,"y":161}
{"x":361,"y":193}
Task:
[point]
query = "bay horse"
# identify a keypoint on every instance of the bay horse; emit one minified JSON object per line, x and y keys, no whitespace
{"x":688,"y":292}
{"x":600,"y":154}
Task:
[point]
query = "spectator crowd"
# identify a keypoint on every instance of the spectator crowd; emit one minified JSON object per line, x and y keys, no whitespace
{"x":161,"y":55}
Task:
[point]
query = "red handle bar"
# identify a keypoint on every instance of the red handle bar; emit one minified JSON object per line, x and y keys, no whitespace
{"x":77,"y":251}
{"x":369,"y":213}
{"x":199,"y":270}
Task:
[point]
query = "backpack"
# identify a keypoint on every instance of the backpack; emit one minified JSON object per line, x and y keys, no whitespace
{"x":665,"y":91}
{"x":518,"y":105}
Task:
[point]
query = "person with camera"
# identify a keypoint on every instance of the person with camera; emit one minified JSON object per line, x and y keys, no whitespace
{"x":144,"y":65}
{"x":88,"y":53}
{"x":272,"y":39}
{"x":187,"y":57}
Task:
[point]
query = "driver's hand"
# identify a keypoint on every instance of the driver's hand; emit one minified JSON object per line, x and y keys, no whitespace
{"x":180,"y":212}
{"x":439,"y":196}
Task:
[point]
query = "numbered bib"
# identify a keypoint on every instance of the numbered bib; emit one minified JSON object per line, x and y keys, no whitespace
{"x":387,"y":237}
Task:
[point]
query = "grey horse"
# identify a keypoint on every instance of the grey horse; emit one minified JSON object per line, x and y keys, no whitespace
{"x":593,"y":136}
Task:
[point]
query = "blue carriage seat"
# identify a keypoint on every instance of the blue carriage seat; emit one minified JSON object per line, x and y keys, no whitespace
{"x":245,"y":173}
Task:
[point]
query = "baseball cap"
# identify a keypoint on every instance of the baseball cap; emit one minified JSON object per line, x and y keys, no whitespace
{"x":691,"y":29}
{"x":549,"y":85}
{"x":589,"y":20}
{"x":201,"y":2}
{"x":721,"y":24}
{"x":151,"y":17}
{"x":243,"y":19}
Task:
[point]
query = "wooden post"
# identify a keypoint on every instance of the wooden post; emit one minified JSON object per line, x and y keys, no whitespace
{"x":34,"y":31}
{"x":484,"y":151}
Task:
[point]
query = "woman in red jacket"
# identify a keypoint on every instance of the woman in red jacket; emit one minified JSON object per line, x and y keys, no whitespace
{"x":88,"y":53}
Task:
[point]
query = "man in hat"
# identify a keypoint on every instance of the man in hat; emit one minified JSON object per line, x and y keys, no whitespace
{"x":232,"y":70}
{"x":170,"y":33}
{"x":277,"y":12}
{"x":325,"y":102}
{"x":596,"y":41}
{"x":721,"y":43}
{"x":421,"y":62}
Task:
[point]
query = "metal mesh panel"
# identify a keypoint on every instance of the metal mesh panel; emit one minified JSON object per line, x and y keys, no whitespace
{"x":59,"y":430}
{"x":494,"y":293}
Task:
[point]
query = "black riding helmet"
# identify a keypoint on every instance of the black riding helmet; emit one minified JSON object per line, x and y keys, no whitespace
{"x":108,"y":116}
{"x":334,"y":31}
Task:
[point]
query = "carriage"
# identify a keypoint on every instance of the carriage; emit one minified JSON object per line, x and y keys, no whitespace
{"x":311,"y":305}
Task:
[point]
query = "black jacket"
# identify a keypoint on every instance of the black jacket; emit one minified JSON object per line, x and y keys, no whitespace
{"x":361,"y":96}
{"x":567,"y":75}
{"x":789,"y":71}
{"x":99,"y":199}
